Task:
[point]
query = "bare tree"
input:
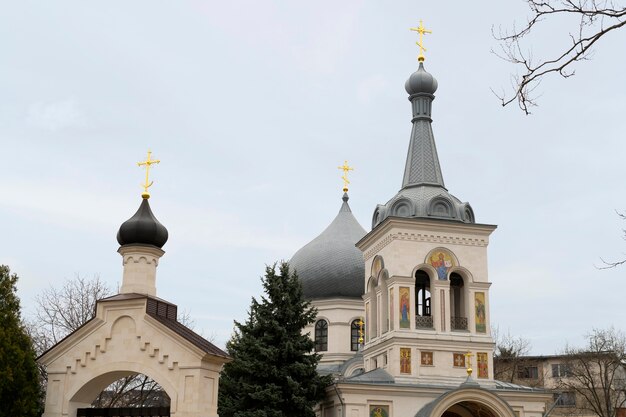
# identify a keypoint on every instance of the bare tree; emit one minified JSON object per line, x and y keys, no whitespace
{"x":60,"y":311}
{"x":613,"y":264}
{"x":509,"y":355}
{"x":590,"y":20}
{"x":596,"y":373}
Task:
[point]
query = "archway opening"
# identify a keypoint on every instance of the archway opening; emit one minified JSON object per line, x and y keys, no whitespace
{"x":469,"y":409}
{"x":423,"y":317}
{"x":134,"y":391}
{"x":458,"y":317}
{"x":121,"y":393}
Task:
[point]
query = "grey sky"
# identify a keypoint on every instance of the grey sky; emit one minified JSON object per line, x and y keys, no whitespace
{"x":252,"y":105}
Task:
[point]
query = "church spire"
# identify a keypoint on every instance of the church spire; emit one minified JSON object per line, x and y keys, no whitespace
{"x":423,"y":193}
{"x":422,"y":162}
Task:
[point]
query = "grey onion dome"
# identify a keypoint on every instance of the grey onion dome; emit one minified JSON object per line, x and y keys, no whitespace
{"x":421,"y":81}
{"x":143,"y":228}
{"x":423,"y":193}
{"x":330,"y":266}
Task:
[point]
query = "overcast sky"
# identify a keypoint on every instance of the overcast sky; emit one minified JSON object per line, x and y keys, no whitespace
{"x":252,"y":105}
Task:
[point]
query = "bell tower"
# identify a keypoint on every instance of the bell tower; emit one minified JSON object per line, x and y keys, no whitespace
{"x":426,"y":276}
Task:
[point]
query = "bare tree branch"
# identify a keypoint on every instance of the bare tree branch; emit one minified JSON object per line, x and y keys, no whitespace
{"x":593,"y":20}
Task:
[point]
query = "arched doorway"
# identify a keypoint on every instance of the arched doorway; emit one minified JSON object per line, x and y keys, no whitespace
{"x":469,"y":409}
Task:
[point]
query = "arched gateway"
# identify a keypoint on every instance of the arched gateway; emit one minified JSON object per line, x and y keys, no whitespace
{"x":135,"y":332}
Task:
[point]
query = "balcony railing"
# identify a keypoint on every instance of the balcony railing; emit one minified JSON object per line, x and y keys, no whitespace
{"x":424,"y":322}
{"x":458,"y":323}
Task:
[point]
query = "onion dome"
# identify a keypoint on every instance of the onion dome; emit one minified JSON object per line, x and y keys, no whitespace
{"x":143,"y":228}
{"x":423,"y":193}
{"x":330,"y":266}
{"x":421,"y":81}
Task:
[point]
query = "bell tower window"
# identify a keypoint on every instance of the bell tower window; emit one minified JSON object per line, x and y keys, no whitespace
{"x":458,"y":319}
{"x":423,"y":317}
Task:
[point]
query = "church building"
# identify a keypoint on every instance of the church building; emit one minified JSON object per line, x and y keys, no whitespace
{"x":419,"y":282}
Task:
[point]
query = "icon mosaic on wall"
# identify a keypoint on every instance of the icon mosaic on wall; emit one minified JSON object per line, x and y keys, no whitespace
{"x":405,"y":307}
{"x":379,"y":411}
{"x":442,"y":260}
{"x":483,"y":365}
{"x":459,"y":360}
{"x":405,"y":360}
{"x":480,"y":312}
{"x":427,"y":358}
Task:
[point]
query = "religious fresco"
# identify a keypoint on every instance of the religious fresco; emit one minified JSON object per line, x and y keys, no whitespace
{"x":405,"y":307}
{"x":391,"y":310}
{"x":405,"y":360}
{"x":480,"y":312}
{"x":458,"y":360}
{"x":442,"y":260}
{"x":377,"y":266}
{"x":426,"y":358}
{"x":483,"y":365}
{"x":379,"y":411}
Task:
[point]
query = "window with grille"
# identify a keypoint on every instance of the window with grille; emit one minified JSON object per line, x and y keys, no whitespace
{"x":321,"y":336}
{"x":354,"y":335}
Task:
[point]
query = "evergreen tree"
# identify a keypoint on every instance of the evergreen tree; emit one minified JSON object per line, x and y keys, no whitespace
{"x":273,"y":371}
{"x":20,"y":392}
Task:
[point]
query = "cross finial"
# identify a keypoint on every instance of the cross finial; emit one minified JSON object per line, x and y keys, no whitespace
{"x":468,"y":359}
{"x":421,"y":30}
{"x":344,"y":177}
{"x":360,"y":323}
{"x":147,"y":163}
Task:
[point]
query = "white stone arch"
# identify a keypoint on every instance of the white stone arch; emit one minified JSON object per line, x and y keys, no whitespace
{"x":127,"y":337}
{"x":383,"y":284}
{"x":81,"y":393}
{"x":372,"y":320}
{"x":488,"y":399}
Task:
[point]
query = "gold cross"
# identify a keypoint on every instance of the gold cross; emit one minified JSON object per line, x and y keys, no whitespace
{"x":148,"y":183}
{"x":344,"y":177}
{"x":421,"y":30}
{"x":468,"y":359}
{"x":360,"y":323}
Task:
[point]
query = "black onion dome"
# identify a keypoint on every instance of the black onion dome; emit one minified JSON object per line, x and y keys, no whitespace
{"x":421,"y":81}
{"x":330,"y":265}
{"x":143,"y":228}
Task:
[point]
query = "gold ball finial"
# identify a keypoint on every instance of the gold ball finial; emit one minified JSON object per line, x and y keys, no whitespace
{"x":147,"y":163}
{"x":345,"y":168}
{"x":422,"y":31}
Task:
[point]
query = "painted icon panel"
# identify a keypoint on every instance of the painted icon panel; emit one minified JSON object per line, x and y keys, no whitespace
{"x":458,"y":360}
{"x":405,"y":360}
{"x":480,"y":312}
{"x":483,"y":365}
{"x":379,"y":411}
{"x":442,"y":260}
{"x":426,"y":358}
{"x":405,"y":307}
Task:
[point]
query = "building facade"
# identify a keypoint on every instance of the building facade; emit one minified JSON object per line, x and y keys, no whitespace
{"x":419,"y":280}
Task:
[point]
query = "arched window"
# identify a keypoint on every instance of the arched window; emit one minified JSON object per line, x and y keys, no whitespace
{"x":354,"y":334}
{"x":458,"y":321}
{"x":321,"y":336}
{"x":422,"y":300}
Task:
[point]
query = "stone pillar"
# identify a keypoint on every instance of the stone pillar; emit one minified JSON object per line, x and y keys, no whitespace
{"x":140,"y":263}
